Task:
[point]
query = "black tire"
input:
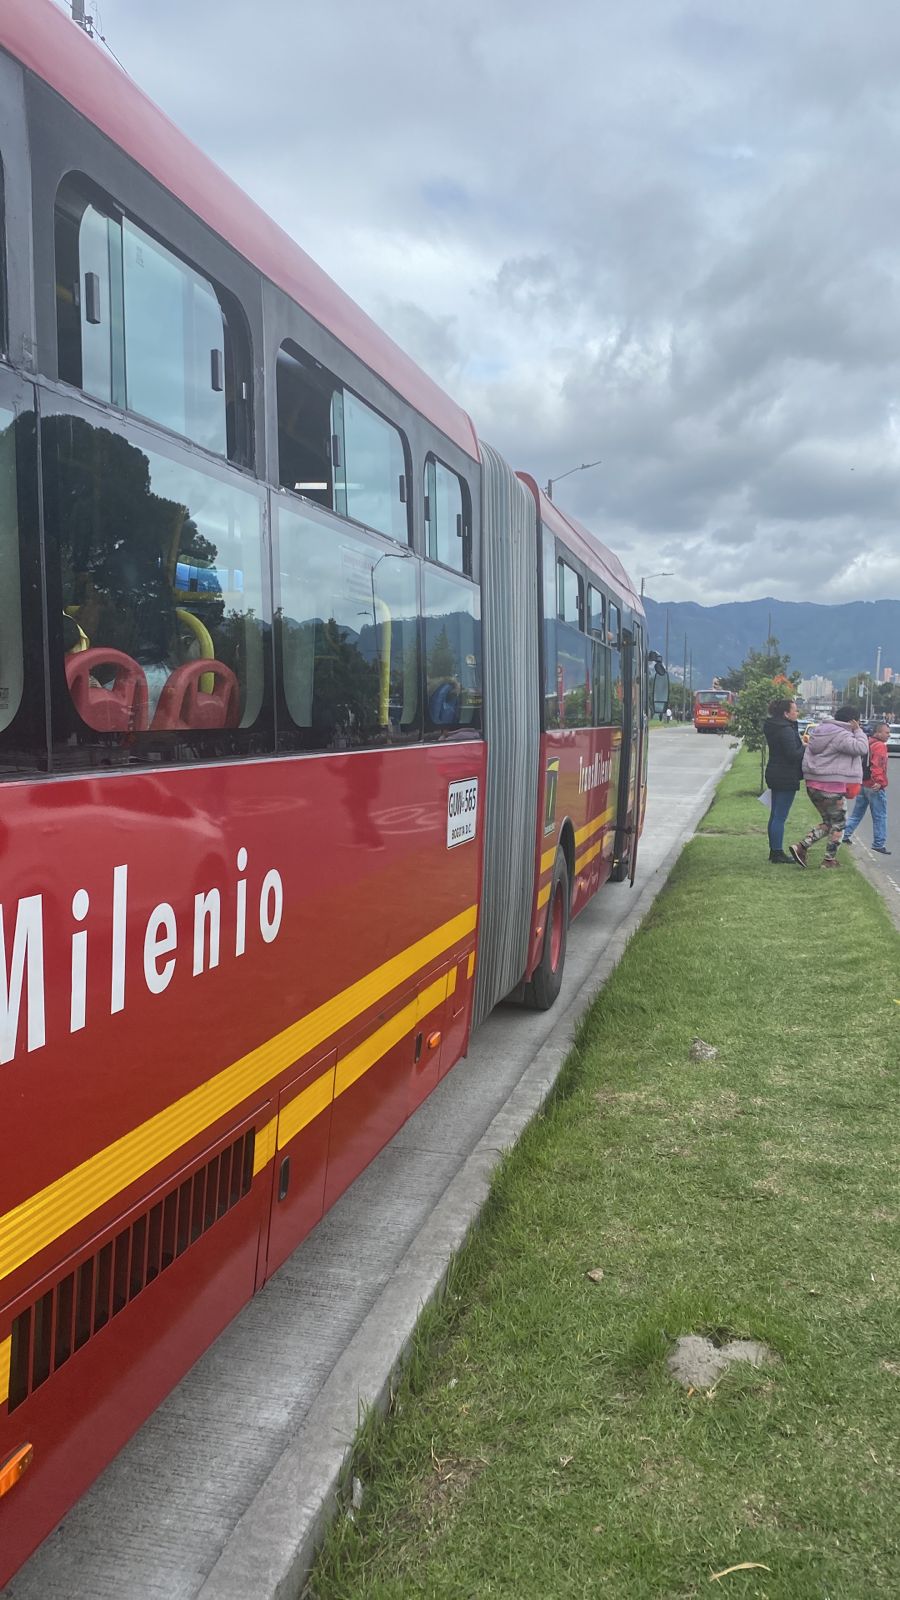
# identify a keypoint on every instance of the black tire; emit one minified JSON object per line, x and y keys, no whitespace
{"x":620,"y":870}
{"x":546,"y":980}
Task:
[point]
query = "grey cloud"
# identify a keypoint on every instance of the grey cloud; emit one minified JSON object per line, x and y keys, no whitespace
{"x":660,"y":234}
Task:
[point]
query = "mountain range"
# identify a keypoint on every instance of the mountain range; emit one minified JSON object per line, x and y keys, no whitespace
{"x":834,"y":641}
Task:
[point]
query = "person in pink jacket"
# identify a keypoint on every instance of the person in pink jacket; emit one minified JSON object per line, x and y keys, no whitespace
{"x":832,"y":767}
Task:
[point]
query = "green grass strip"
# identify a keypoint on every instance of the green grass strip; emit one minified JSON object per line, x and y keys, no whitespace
{"x":538,"y":1447}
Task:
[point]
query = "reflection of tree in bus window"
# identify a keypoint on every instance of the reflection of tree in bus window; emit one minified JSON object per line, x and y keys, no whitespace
{"x":123,"y":521}
{"x":452,"y":652}
{"x":11,"y":667}
{"x":349,"y":634}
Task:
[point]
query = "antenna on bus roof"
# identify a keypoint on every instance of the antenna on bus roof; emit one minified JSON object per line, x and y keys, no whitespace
{"x":81,"y":20}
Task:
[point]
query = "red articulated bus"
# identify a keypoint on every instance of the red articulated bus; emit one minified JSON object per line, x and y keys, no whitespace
{"x":317,"y":725}
{"x":712,"y":710}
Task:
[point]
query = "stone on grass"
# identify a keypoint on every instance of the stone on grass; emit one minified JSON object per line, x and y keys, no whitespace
{"x":697,"y":1363}
{"x":701,"y":1051}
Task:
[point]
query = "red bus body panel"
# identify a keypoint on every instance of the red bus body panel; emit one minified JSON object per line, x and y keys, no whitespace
{"x":582,"y":764}
{"x":373,"y":950}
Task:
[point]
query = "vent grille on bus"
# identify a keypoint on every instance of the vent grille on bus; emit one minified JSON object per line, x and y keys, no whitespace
{"x":63,"y":1320}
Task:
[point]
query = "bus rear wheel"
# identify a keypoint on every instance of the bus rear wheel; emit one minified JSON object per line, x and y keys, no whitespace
{"x":546,"y":980}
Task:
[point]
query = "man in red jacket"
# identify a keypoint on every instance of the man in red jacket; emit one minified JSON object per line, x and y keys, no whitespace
{"x":873,"y":794}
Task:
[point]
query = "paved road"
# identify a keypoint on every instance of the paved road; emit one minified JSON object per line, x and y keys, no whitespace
{"x":164,"y":1513}
{"x":883,"y":871}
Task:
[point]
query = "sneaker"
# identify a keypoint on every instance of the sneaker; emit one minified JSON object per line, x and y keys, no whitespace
{"x":882,"y":849}
{"x":847,"y":839}
{"x":780,"y":859}
{"x":798,"y":851}
{"x":830,"y":861}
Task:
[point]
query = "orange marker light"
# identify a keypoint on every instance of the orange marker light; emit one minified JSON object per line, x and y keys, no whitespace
{"x":434,"y":1040}
{"x":12,"y":1468}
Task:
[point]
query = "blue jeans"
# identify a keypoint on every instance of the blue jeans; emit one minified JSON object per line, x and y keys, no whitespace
{"x":874,"y":800}
{"x":782,"y":800}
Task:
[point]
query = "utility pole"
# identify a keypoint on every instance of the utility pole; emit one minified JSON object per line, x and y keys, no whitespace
{"x":666,"y":647}
{"x":684,"y":681}
{"x":691,"y":678}
{"x":82,"y":21}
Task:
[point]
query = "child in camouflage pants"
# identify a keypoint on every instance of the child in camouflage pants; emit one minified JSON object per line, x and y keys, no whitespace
{"x":832,"y":765}
{"x":832,"y":808}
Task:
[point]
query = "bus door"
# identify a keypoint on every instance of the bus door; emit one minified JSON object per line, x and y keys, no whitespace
{"x":640,"y":717}
{"x":628,"y":817}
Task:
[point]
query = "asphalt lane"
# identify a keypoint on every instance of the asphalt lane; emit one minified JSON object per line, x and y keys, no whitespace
{"x":165,"y":1512}
{"x":883,"y":871}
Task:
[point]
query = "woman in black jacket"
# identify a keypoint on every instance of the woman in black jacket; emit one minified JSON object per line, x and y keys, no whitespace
{"x":784,"y":771}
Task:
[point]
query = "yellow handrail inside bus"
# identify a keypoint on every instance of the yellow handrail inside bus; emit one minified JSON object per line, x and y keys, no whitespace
{"x":383,"y":611}
{"x":84,"y":642}
{"x":204,"y":639}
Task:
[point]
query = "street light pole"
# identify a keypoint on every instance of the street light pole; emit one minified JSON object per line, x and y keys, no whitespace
{"x":585,"y":466}
{"x":650,"y":575}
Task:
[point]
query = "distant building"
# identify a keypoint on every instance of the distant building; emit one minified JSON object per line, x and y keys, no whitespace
{"x":887,"y":674}
{"x":816,"y":688}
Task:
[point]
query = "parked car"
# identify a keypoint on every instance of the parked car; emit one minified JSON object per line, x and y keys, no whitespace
{"x":893,"y":742}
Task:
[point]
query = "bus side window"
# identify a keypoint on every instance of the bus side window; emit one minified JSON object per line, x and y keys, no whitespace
{"x":375,"y":470}
{"x":601,"y":683}
{"x":349,"y":634}
{"x":453,"y":695}
{"x":447,"y":520}
{"x":596,"y":612}
{"x":159,"y":568}
{"x":335,"y":450}
{"x":306,"y":435}
{"x":11,"y":662}
{"x":570,"y":592}
{"x":140,"y":328}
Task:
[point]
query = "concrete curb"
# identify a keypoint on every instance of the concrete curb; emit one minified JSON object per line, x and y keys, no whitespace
{"x":270,"y":1551}
{"x":886,"y":883}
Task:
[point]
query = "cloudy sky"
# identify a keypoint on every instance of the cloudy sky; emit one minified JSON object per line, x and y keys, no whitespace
{"x":662,"y":234}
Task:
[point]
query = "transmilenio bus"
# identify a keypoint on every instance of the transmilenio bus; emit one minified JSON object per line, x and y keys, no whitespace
{"x":317,"y":725}
{"x":712,"y":710}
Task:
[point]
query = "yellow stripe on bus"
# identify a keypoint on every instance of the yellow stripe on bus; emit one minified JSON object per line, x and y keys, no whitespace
{"x":592,"y":826}
{"x":471,"y":967}
{"x":549,"y":856}
{"x":45,"y":1216}
{"x":305,"y":1107}
{"x":264,"y":1146}
{"x":352,"y":1066}
{"x":587,"y":857}
{"x":5,"y":1355}
{"x":318,"y":1095}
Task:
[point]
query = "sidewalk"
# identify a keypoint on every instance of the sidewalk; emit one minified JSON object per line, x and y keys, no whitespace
{"x":222,"y":1492}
